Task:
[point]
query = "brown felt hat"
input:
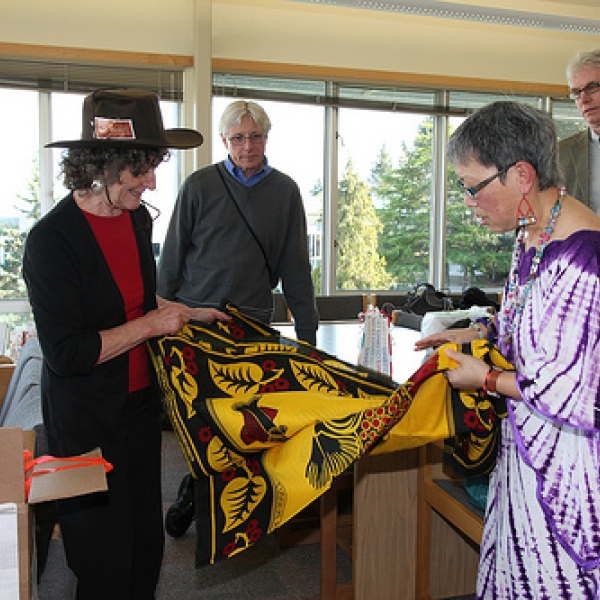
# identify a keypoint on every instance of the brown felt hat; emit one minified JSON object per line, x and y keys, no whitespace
{"x":121,"y":118}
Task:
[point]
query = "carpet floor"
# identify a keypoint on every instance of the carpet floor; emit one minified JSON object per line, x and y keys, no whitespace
{"x":263,"y":572}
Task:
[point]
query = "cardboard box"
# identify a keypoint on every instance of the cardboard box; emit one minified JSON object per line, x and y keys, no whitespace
{"x":47,"y":486}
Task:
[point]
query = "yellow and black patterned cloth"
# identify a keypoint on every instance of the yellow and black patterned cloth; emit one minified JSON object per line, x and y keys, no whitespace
{"x":267,"y":423}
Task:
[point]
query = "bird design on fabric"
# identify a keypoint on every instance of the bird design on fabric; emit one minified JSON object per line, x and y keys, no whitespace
{"x":259,"y":423}
{"x":335,"y":447}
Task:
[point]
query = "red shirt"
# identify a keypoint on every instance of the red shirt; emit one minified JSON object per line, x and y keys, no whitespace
{"x":117,"y":241}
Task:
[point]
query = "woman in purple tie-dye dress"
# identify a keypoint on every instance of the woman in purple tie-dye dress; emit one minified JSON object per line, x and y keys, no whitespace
{"x":542,"y":529}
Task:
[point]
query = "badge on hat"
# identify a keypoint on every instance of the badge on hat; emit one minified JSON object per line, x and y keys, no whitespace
{"x":113,"y":128}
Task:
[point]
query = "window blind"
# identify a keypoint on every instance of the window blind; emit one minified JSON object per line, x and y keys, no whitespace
{"x":55,"y":76}
{"x":314,"y":92}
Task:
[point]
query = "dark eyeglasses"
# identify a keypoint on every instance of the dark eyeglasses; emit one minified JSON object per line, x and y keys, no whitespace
{"x":593,"y":87}
{"x":471,"y":191}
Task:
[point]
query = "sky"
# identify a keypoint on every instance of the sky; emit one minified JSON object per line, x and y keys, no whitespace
{"x":295,"y":143}
{"x":18,"y":148}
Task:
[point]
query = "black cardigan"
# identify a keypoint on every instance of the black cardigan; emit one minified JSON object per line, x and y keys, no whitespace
{"x":74,"y":296}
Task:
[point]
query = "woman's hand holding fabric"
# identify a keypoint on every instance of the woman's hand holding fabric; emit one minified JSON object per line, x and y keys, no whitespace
{"x":453,"y":336}
{"x":167,"y":319}
{"x":470,"y":372}
{"x":208,"y":315}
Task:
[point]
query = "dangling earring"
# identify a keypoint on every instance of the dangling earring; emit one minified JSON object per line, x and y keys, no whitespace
{"x":97,"y":187}
{"x":525,"y":214}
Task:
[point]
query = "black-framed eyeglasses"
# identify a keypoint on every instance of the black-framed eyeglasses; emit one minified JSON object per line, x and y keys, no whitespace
{"x":593,"y":87}
{"x":471,"y":191}
{"x":240,"y":140}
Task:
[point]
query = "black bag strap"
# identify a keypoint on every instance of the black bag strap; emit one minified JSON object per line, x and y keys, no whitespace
{"x":243,"y":217}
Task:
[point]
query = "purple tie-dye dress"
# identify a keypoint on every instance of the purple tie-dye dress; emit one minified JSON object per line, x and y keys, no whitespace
{"x":542,"y":531}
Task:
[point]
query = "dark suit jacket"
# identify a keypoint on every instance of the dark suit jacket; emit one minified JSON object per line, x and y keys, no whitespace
{"x":74,"y":296}
{"x":574,"y":158}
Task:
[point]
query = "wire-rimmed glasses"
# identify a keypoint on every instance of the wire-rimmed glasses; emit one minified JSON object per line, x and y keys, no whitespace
{"x":240,"y":140}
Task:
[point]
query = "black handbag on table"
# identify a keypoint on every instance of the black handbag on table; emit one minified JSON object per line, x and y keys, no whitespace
{"x":422,"y":299}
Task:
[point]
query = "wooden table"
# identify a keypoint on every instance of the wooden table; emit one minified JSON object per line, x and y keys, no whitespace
{"x":342,"y":339}
{"x":385,"y":487}
{"x":385,"y":498}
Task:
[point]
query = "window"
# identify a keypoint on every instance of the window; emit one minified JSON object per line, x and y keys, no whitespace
{"x":385,"y":197}
{"x":24,"y":114}
{"x":19,"y":170}
{"x":384,"y":180}
{"x":295,"y":147}
{"x":474,"y":255}
{"x":382,"y":210}
{"x":567,"y":119}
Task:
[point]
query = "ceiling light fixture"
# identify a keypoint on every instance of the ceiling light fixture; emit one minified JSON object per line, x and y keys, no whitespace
{"x":468,"y":12}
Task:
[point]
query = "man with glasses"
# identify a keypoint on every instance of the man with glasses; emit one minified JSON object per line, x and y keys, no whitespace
{"x":580,"y":154}
{"x":238,"y":229}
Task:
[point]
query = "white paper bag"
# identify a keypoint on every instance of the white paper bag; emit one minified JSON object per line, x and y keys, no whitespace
{"x":376,"y":342}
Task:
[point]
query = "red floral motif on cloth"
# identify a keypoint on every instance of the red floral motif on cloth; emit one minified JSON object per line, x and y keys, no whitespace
{"x":267,"y":423}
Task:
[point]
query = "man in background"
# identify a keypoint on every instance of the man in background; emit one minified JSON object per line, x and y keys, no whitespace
{"x":238,"y":229}
{"x":579,"y":154}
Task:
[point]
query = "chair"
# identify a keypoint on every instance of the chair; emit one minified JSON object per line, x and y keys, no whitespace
{"x":342,"y":307}
{"x":7,"y":368}
{"x":449,"y":531}
{"x":336,"y":531}
{"x":396,"y":299}
{"x":322,"y":522}
{"x":281,"y":313}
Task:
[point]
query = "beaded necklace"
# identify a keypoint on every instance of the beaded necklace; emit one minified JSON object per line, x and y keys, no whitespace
{"x":515,"y":299}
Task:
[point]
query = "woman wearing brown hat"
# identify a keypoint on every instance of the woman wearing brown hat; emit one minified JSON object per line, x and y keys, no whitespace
{"x":90,"y":274}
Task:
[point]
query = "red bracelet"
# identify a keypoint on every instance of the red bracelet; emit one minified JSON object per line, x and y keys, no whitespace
{"x":491,"y":379}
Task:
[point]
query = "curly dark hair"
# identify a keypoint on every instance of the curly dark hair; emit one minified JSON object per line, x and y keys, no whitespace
{"x":81,"y":166}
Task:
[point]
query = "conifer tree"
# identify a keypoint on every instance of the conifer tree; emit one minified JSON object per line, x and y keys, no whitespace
{"x":403,"y":194}
{"x":13,"y":239}
{"x":359,"y":265}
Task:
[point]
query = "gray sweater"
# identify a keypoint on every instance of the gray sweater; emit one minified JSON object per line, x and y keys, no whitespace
{"x":209,"y":255}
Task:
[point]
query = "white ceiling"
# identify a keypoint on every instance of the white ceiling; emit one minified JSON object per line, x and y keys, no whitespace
{"x":469,"y":11}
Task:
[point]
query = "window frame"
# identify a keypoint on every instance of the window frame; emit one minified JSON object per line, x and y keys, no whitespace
{"x":341,"y":89}
{"x":441,"y":102}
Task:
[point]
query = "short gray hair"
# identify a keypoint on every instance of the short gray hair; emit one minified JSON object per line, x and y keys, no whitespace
{"x":234,"y":112}
{"x":505,"y":132}
{"x":589,"y":58}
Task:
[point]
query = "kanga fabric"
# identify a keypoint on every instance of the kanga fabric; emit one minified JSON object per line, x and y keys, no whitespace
{"x":542,"y":531}
{"x":267,"y":423}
